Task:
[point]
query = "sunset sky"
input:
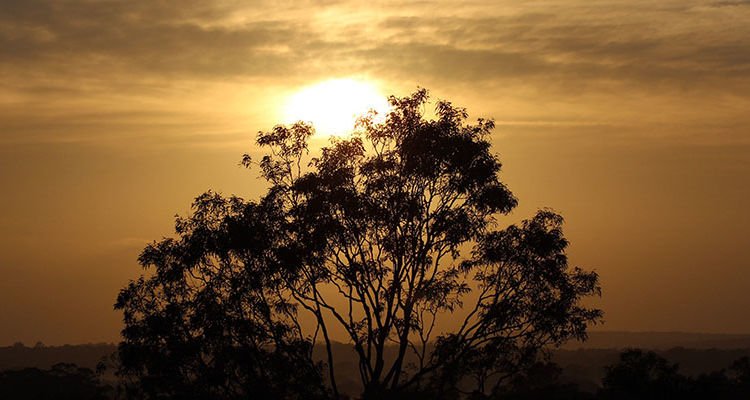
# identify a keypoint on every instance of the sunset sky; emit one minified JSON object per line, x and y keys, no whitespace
{"x":631,"y":118}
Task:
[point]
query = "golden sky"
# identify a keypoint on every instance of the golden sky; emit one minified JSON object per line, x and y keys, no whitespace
{"x":631,"y":118}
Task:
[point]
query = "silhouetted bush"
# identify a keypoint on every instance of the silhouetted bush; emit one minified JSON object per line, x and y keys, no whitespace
{"x":646,"y":375}
{"x":61,"y":382}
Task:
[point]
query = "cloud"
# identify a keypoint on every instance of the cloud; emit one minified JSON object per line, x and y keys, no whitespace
{"x":628,"y":42}
{"x":61,"y":57}
{"x":139,"y":37}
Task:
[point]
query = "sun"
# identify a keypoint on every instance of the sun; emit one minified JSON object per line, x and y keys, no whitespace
{"x":333,"y":106}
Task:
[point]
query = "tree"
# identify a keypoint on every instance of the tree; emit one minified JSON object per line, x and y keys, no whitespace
{"x":541,"y":381}
{"x":376,"y":236}
{"x":643,"y":375}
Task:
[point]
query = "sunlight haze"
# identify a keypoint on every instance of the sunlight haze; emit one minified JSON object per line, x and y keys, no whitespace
{"x":333,"y":106}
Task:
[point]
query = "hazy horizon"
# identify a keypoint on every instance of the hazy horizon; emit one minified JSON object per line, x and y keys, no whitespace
{"x":611,"y":339}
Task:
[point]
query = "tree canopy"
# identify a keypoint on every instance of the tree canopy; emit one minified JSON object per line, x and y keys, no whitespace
{"x":375,"y":236}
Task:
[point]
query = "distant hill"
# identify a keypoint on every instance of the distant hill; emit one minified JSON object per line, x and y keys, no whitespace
{"x":84,"y":355}
{"x":661,"y":340}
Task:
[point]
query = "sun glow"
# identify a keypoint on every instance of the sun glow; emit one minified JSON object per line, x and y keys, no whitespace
{"x":333,"y":106}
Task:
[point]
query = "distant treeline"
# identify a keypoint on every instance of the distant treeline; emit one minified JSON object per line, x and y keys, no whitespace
{"x":62,"y":381}
{"x":661,"y":340}
{"x":20,"y":356}
{"x":572,"y":374}
{"x":632,"y":375}
{"x":584,"y":365}
{"x":695,"y":352}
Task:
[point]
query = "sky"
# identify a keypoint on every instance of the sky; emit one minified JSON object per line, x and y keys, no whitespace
{"x":630,"y":118}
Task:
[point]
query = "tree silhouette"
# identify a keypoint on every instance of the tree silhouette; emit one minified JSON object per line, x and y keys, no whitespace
{"x":646,"y":375}
{"x":540,"y":381}
{"x":377,"y":236}
{"x":643,"y":375}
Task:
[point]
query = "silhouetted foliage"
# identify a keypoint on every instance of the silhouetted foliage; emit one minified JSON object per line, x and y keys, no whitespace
{"x":540,"y":381}
{"x":643,"y":375}
{"x":646,"y":375}
{"x":212,"y":322}
{"x":61,"y":382}
{"x":733,"y":383}
{"x":739,"y":372}
{"x":372,"y":237}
